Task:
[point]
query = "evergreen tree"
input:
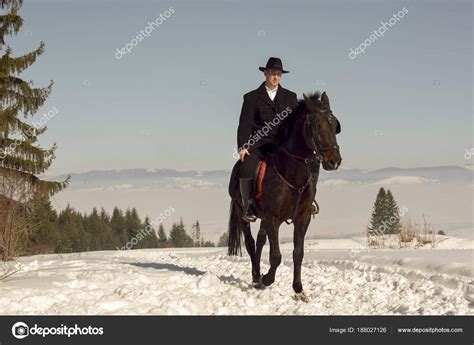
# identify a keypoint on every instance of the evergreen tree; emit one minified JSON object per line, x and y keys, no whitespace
{"x":223,"y":240}
{"x":385,"y":215}
{"x":107,"y":236}
{"x":72,"y":234}
{"x":196,"y":234}
{"x":45,"y":235}
{"x":208,"y":244}
{"x":392,"y":217}
{"x":179,"y":237}
{"x":118,"y":228}
{"x":99,"y":230}
{"x":133,"y":225}
{"x":22,"y":159}
{"x":162,"y":239}
{"x":150,"y":240}
{"x":378,"y":214}
{"x":21,"y":156}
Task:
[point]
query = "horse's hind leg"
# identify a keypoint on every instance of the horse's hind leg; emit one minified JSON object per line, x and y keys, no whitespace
{"x":250,"y":246}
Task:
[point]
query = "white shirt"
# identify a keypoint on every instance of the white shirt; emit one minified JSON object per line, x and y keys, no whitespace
{"x":271,"y":93}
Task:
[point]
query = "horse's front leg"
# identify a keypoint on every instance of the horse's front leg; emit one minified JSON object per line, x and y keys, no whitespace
{"x":250,"y":246}
{"x":261,"y":239}
{"x":300,"y":227}
{"x":275,"y":254}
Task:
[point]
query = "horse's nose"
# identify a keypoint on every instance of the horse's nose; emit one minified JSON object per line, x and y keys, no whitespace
{"x":334,"y":162}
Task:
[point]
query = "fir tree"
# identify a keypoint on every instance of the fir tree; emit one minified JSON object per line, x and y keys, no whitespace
{"x":378,"y":213}
{"x":162,"y":239}
{"x":118,"y":228}
{"x":133,"y":225}
{"x":223,"y":240}
{"x":385,"y":214}
{"x":21,"y":156}
{"x":150,"y":239}
{"x":179,"y":237}
{"x":196,"y":234}
{"x":22,"y":159}
{"x":391,"y":217}
{"x":45,"y":235}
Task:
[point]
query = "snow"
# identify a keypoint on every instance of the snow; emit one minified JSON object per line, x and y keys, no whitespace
{"x":339,"y":277}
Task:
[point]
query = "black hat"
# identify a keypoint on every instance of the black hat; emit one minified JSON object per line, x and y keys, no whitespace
{"x":274,"y":63}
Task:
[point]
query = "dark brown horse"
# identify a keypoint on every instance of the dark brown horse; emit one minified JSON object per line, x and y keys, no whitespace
{"x":308,"y":138}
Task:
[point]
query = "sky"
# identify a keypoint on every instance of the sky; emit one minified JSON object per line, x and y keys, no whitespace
{"x":174,"y":100}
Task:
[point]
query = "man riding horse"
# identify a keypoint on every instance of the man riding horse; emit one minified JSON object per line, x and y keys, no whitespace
{"x":264,"y":110}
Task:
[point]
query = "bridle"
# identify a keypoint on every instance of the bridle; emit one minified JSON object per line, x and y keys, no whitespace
{"x":312,"y":163}
{"x":311,"y":127}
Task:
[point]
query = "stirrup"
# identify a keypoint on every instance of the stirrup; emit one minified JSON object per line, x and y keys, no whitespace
{"x":252,"y":217}
{"x":314,"y":208}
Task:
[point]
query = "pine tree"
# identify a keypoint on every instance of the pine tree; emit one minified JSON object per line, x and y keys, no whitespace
{"x":378,"y":214}
{"x":45,"y":235}
{"x":72,"y":234}
{"x":22,"y":158}
{"x":162,"y":239}
{"x":179,"y":237}
{"x":118,"y":228}
{"x":385,"y":215}
{"x":208,"y":244}
{"x":150,"y":240}
{"x":391,"y":216}
{"x":196,"y":234}
{"x":107,"y":237}
{"x":133,"y":225}
{"x":223,"y":240}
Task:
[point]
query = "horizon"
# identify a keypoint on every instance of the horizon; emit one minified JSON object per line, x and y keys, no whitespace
{"x":229,"y":170}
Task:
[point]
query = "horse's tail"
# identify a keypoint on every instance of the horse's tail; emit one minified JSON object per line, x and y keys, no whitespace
{"x":235,"y":234}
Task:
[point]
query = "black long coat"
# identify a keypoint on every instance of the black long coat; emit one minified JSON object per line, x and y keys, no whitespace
{"x":258,"y":111}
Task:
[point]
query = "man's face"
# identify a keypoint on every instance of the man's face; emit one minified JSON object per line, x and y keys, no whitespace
{"x":273,"y":77}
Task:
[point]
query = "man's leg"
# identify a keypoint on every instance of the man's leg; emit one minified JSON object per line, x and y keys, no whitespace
{"x":247,"y":172}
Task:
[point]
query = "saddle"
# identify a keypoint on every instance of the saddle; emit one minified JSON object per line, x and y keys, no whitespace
{"x":234,"y":187}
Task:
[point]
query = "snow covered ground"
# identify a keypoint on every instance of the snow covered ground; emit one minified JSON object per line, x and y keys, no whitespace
{"x":339,"y":277}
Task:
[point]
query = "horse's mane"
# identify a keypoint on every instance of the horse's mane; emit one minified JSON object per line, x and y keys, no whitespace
{"x":287,"y":127}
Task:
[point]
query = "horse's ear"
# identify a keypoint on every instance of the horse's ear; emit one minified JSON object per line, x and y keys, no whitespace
{"x":325,"y":100}
{"x":308,"y":101}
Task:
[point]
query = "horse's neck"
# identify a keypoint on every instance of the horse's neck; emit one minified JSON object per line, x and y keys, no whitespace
{"x":295,"y":143}
{"x":293,"y":169}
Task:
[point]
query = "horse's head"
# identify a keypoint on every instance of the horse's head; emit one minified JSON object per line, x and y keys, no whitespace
{"x":320,"y":129}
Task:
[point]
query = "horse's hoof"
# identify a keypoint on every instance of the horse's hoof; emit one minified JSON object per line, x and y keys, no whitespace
{"x":301,"y":297}
{"x":258,"y":285}
{"x":267,"y":280}
{"x":298,"y":287}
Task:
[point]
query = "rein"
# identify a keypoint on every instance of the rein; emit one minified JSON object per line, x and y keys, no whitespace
{"x":300,"y":190}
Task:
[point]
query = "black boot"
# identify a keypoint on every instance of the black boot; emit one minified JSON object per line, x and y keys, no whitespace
{"x":246,"y":189}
